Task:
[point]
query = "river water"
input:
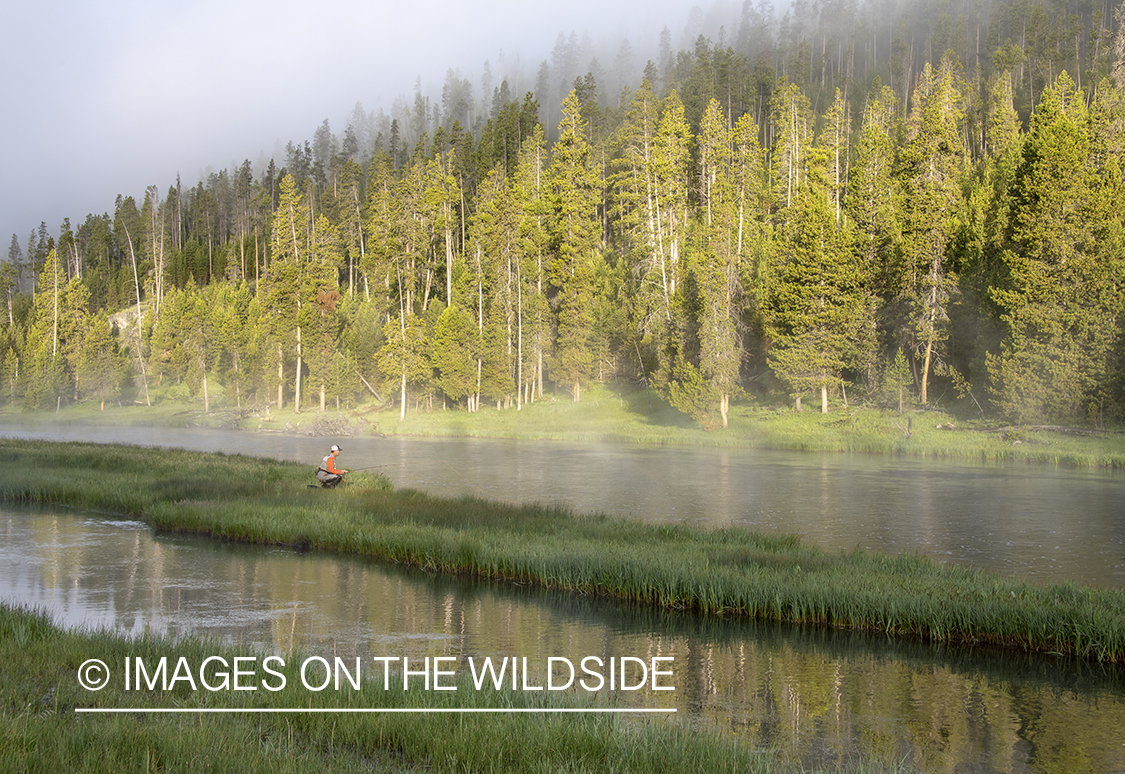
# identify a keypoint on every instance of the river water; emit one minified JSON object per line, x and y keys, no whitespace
{"x":822,"y":696}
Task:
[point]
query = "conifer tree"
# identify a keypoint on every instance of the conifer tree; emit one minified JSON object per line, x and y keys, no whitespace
{"x":46,"y":371}
{"x":792,"y":121}
{"x":574,"y":195}
{"x":813,"y":300}
{"x":932,"y":172}
{"x":454,"y":355}
{"x":530,"y":191}
{"x":873,"y":204}
{"x":317,"y":320}
{"x":1060,"y":297}
{"x":280,"y":288}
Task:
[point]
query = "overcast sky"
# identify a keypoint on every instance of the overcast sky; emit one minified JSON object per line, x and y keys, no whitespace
{"x":102,"y":98}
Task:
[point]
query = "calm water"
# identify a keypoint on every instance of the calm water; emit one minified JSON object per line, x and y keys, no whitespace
{"x":823,"y":695}
{"x":1033,"y":522}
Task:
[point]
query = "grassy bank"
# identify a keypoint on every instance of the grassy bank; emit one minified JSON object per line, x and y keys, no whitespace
{"x":718,"y":572}
{"x":608,"y":415}
{"x":41,"y":732}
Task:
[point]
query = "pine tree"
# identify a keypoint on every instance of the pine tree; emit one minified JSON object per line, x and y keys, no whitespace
{"x":813,"y":300}
{"x":574,"y":195}
{"x":454,"y":355}
{"x":100,"y":366}
{"x":872,"y":204}
{"x":1060,"y":300}
{"x":931,"y":176}
{"x":792,"y":120}
{"x":320,"y":293}
{"x":732,"y":189}
{"x":530,"y":191}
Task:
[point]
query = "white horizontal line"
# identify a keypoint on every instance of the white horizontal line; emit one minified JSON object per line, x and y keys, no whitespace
{"x":438,"y":710}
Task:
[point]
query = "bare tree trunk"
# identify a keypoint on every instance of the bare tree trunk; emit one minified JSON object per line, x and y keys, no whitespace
{"x":297,"y":381}
{"x":926,"y":368}
{"x":280,"y":378}
{"x":137,"y":285}
{"x":402,"y":397}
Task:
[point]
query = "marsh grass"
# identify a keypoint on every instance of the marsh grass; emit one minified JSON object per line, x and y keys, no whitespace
{"x":40,"y":730}
{"x":727,"y":572}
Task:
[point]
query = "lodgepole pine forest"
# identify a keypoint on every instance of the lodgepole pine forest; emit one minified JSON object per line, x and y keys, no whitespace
{"x":882,"y":204}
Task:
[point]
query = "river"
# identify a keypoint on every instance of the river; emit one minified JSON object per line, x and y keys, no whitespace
{"x":823,"y":696}
{"x":1033,"y":522}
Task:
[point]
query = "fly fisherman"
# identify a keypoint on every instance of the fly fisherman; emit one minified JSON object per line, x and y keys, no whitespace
{"x":328,"y":474}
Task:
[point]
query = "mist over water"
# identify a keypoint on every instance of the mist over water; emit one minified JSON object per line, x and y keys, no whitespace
{"x":1033,"y":522}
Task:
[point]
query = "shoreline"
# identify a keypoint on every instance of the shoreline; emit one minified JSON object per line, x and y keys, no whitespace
{"x":640,"y":418}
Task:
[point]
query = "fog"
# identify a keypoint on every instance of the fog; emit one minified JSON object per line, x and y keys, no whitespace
{"x":102,"y":99}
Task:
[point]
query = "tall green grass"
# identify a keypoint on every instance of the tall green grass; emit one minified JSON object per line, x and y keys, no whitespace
{"x":40,"y":731}
{"x":715,"y":572}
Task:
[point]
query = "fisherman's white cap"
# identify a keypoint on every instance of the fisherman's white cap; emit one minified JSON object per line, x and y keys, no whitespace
{"x":335,"y":448}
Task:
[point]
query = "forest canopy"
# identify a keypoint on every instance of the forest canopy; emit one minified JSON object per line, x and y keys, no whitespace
{"x":840,"y":204}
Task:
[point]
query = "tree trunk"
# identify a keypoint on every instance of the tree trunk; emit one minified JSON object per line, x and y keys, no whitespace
{"x":297,"y":381}
{"x":926,"y":368}
{"x":402,"y":397}
{"x":280,"y":379}
{"x":137,"y":286}
{"x":824,"y":399}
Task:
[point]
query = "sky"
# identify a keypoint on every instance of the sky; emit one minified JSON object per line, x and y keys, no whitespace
{"x":107,"y":98}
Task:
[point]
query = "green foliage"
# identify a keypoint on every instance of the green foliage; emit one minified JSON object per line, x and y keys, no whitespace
{"x":814,"y":302}
{"x":689,"y":392}
{"x":453,"y":353}
{"x":665,"y":235}
{"x":897,"y":382}
{"x":1060,"y":297}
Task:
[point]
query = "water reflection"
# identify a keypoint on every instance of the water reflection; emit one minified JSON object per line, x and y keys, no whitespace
{"x":826,"y":696}
{"x":1023,"y":521}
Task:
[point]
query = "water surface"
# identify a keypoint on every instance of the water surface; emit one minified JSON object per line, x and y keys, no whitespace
{"x":822,"y":696}
{"x":1034,"y":522}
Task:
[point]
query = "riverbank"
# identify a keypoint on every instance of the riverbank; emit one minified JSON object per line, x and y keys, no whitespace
{"x":608,"y":415}
{"x":714,"y":572}
{"x":46,"y":723}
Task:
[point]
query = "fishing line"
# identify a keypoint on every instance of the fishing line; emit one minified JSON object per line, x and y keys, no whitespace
{"x":468,"y":483}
